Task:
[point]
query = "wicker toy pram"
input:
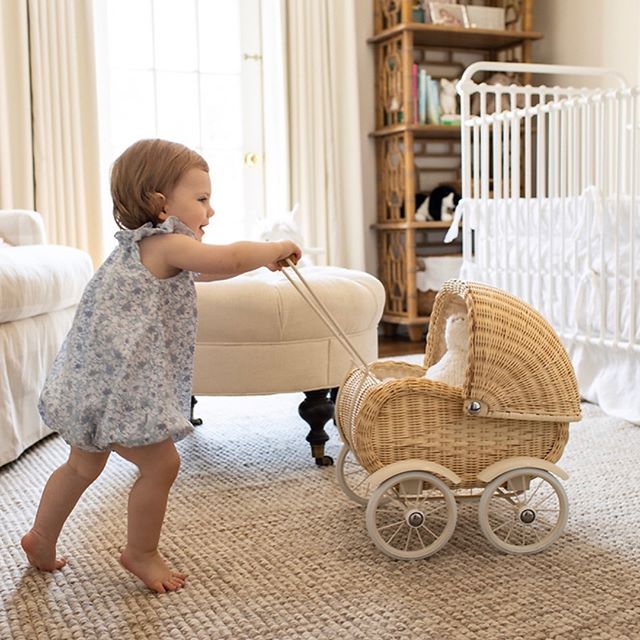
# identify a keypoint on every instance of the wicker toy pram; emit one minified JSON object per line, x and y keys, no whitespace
{"x":416,"y":445}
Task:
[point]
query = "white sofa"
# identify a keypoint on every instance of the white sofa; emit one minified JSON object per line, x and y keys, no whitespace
{"x":40,"y":287}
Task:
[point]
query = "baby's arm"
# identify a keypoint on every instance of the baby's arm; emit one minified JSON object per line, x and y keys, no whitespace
{"x":217,"y":262}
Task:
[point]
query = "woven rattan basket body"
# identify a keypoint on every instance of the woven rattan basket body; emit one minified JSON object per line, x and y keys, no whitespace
{"x":519,"y":384}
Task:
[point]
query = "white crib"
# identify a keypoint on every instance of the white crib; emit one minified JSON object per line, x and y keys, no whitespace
{"x":551,"y":213}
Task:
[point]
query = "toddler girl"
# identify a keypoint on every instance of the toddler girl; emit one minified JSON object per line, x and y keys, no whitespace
{"x":122,"y":379}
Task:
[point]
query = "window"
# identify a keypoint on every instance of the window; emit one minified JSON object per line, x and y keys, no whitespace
{"x":189,"y":71}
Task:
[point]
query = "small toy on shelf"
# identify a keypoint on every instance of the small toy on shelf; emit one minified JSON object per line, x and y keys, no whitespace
{"x":439,"y":204}
{"x":448,"y":96}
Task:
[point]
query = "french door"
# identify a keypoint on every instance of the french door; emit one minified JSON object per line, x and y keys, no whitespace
{"x":189,"y":71}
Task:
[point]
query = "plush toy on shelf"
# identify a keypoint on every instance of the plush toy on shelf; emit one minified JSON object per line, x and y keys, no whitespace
{"x":451,"y":367}
{"x":448,"y":96}
{"x":440,"y":204}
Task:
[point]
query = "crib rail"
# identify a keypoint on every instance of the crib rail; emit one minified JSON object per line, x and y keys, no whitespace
{"x":550,"y":186}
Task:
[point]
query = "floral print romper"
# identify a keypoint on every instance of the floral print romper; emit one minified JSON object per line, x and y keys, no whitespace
{"x":124,"y":372}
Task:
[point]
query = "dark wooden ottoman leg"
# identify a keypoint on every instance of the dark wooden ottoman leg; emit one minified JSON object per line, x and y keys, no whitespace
{"x":316,"y":410}
{"x":196,"y":422}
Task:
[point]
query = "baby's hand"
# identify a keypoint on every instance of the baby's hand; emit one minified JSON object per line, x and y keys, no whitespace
{"x":290,"y":251}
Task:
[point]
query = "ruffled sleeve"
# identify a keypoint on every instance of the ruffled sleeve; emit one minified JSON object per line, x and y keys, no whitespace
{"x":170,"y":225}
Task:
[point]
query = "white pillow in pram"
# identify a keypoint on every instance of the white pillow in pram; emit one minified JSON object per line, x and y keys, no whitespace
{"x":451,"y":367}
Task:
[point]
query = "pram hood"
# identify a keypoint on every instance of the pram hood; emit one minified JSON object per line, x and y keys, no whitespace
{"x":516,"y":367}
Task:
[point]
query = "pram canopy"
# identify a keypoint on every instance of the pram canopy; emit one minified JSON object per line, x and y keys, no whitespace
{"x":517,"y":367}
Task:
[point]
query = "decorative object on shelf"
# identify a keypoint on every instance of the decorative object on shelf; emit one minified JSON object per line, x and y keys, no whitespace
{"x":439,"y":204}
{"x":448,"y":97}
{"x":450,"y":120}
{"x":479,"y":17}
{"x":450,"y":15}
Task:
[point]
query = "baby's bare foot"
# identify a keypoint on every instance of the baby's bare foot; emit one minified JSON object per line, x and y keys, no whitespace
{"x":41,"y":552}
{"x":152,"y":570}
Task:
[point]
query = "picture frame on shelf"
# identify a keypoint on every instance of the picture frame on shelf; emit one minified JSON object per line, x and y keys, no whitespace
{"x":448,"y":14}
{"x":479,"y":17}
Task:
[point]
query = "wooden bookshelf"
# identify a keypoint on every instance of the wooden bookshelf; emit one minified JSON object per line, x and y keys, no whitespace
{"x":413,"y":158}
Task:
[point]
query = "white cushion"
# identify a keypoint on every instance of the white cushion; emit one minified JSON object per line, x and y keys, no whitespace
{"x":21,"y":226}
{"x":256,"y":334}
{"x":38,"y":279}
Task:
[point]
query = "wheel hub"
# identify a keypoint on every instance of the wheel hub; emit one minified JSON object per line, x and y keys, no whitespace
{"x":415,"y":518}
{"x":527,"y":516}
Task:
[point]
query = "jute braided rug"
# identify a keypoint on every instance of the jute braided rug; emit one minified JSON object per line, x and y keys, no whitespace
{"x":275,"y":551}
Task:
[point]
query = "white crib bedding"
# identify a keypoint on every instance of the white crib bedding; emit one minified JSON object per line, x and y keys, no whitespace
{"x":577,"y":260}
{"x":519,"y":247}
{"x":579,"y":232}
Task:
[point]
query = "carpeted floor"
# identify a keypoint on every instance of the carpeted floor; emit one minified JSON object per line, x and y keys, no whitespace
{"x":275,"y":551}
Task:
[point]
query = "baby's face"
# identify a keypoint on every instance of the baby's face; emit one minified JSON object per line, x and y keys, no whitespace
{"x":189,"y":201}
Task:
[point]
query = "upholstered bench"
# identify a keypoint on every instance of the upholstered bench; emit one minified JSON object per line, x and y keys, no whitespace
{"x":257,"y":335}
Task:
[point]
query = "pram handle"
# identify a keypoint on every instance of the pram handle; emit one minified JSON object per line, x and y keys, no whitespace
{"x":324,"y":314}
{"x":285,"y":262}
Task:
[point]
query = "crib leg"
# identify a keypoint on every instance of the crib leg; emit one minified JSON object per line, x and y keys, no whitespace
{"x":316,"y":410}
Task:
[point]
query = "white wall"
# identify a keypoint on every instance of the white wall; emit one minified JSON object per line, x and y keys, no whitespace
{"x":601,"y":33}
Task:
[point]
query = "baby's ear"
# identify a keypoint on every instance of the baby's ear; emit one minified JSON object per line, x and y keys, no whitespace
{"x":157,"y":202}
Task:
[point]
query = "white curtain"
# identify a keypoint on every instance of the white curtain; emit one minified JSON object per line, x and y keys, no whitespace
{"x":65,"y":122}
{"x":16,"y":162}
{"x":324,"y":127}
{"x":51,"y":162}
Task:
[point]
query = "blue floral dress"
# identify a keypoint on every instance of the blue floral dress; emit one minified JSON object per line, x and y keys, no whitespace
{"x":124,"y":372}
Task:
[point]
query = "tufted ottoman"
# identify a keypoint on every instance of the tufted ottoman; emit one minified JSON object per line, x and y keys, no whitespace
{"x":257,"y":335}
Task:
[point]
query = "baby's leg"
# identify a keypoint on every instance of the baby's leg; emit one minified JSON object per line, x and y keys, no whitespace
{"x":61,"y":493}
{"x":159,"y":465}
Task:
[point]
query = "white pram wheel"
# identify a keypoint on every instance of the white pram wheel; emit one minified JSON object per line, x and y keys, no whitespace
{"x":523,"y":510}
{"x":352,"y":477}
{"x":411,"y":515}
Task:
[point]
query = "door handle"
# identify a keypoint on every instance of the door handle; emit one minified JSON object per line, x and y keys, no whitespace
{"x":250,"y":159}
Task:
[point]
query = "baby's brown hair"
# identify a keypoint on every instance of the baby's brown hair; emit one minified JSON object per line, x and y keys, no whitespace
{"x":143,"y":171}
